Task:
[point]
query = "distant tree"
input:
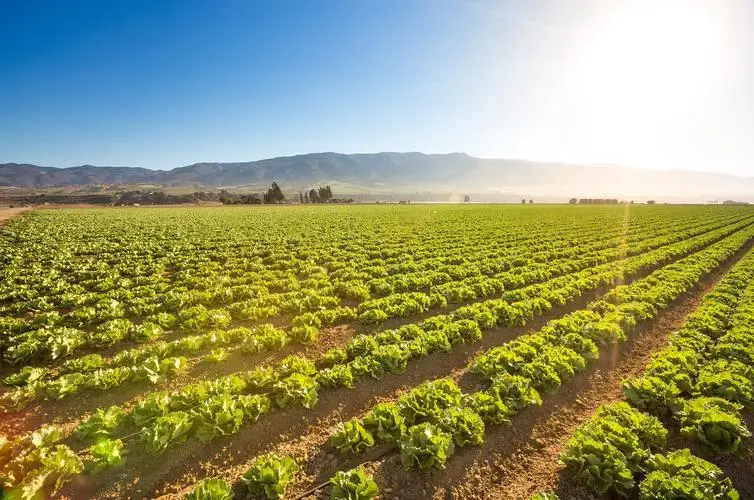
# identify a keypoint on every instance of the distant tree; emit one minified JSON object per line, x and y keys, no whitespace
{"x":306,"y":197}
{"x":523,"y":201}
{"x":531,"y":201}
{"x":651,"y":202}
{"x":466,"y":199}
{"x":325,"y":194}
{"x":573,"y":201}
{"x":632,"y":202}
{"x":313,"y":196}
{"x":274,"y":194}
{"x":301,"y":196}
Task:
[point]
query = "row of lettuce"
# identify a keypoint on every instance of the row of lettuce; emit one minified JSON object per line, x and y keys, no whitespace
{"x":270,"y":475}
{"x":700,"y":383}
{"x":436,"y":415}
{"x":49,"y":335}
{"x":428,"y":423}
{"x":44,"y":237}
{"x":263,"y":270}
{"x":158,"y":360}
{"x":516,"y":371}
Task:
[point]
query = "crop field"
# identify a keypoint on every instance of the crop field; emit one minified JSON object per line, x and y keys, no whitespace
{"x":381,"y":351}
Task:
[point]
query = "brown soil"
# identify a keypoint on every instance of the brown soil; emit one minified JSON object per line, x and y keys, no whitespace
{"x":7,"y":213}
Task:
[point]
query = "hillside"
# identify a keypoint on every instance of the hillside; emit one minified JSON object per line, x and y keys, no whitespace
{"x":399,"y":173}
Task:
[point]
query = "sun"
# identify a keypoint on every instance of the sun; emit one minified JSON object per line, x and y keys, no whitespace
{"x":646,"y":67}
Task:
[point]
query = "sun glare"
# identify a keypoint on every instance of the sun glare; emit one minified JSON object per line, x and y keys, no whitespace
{"x":648,"y":67}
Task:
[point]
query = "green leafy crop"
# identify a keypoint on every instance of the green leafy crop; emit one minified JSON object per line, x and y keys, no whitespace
{"x":354,"y":484}
{"x":681,"y":475}
{"x":270,"y":475}
{"x":352,"y":437}
{"x":214,"y":488}
{"x":425,"y":446}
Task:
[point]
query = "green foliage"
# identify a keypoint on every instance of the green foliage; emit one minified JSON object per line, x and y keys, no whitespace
{"x":296,"y":364}
{"x":715,"y":422}
{"x":652,"y":394}
{"x":297,"y":389}
{"x":386,"y":422}
{"x":173,"y":428}
{"x":111,"y":332}
{"x":617,"y":442}
{"x":304,"y":334}
{"x":466,"y":426}
{"x":725,"y":384}
{"x":217,"y":355}
{"x":106,"y":453}
{"x":270,"y":475}
{"x":544,"y":495}
{"x":100,"y":425}
{"x":542,"y":376}
{"x":648,"y":429}
{"x":156,"y":404}
{"x":41,"y":468}
{"x":261,"y":378}
{"x":26,"y":376}
{"x":336,"y":376}
{"x":84,"y":364}
{"x":335,"y":356}
{"x":681,"y":475}
{"x":220,"y":415}
{"x":147,"y":331}
{"x":351,"y":437}
{"x":515,"y":391}
{"x":489,"y":407}
{"x":429,"y":400}
{"x":598,"y":465}
{"x":425,"y":446}
{"x":354,"y":484}
{"x":69,"y":283}
{"x":215,"y":488}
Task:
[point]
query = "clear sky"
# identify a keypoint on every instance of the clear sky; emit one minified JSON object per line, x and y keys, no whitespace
{"x":166,"y":83}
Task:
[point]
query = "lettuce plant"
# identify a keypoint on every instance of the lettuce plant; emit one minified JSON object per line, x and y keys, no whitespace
{"x":354,"y":484}
{"x":681,"y":475}
{"x":386,"y":422}
{"x":214,"y":488}
{"x":425,"y":446}
{"x":352,"y":437}
{"x":270,"y":475}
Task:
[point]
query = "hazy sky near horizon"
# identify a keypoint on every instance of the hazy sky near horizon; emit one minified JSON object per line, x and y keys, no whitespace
{"x":159,"y":84}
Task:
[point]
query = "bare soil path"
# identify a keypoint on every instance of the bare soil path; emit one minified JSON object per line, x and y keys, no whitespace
{"x":8,"y":213}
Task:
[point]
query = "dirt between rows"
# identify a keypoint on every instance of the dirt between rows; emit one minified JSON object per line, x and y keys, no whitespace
{"x":302,"y":432}
{"x":8,"y":213}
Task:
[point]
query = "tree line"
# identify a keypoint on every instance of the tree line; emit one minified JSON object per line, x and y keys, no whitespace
{"x":275,"y":195}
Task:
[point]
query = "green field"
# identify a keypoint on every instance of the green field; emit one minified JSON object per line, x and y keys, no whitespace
{"x":425,"y":351}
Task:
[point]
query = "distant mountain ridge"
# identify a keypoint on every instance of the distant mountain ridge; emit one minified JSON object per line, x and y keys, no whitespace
{"x":397,"y":172}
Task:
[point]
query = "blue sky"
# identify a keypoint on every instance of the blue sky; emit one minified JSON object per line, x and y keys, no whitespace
{"x":162,"y":84}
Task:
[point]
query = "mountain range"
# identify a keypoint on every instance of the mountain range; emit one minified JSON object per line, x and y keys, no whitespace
{"x":398,"y":173}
